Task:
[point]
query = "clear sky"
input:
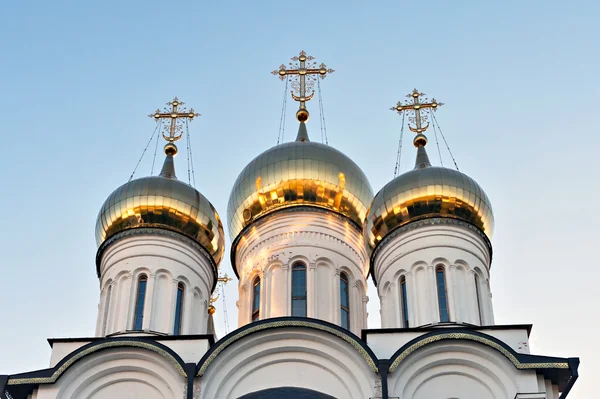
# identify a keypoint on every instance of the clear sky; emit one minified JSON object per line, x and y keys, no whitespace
{"x":519,"y":80}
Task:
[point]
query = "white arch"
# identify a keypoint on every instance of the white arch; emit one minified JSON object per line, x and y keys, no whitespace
{"x":303,"y":358}
{"x":484,"y":367}
{"x":134,"y":368}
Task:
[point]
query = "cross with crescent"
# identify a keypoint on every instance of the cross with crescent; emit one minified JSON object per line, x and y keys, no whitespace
{"x":303,"y":68}
{"x":175,"y":114}
{"x":417,"y":106}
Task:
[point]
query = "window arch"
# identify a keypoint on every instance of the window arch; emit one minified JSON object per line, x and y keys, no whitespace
{"x":404,"y":299}
{"x":256,"y":299}
{"x":344,"y":301}
{"x":299,"y":290}
{"x":139,"y":302}
{"x":179,"y":309}
{"x":478,"y":295}
{"x":440,"y":277}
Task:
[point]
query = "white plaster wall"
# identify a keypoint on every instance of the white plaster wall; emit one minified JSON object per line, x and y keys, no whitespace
{"x":384,"y":345}
{"x":302,"y":358}
{"x":326,"y":243}
{"x":118,"y":373}
{"x":462,"y":370}
{"x":166,"y":262}
{"x":414,"y":255}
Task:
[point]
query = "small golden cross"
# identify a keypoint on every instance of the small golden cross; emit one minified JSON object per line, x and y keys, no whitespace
{"x":306,"y":73}
{"x":176,"y":115}
{"x":417,"y":106}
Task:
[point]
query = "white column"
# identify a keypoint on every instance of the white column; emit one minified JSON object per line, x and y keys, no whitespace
{"x":149,"y":302}
{"x":267,"y":280}
{"x":473,"y":316}
{"x":311,"y":291}
{"x":287,"y":277}
{"x":356,"y":303}
{"x":336,"y":303}
{"x":264,"y":300}
{"x":453,"y":312}
{"x":487,"y":293}
{"x":411,"y":294}
{"x":125,"y":306}
{"x":170,"y":305}
{"x":434,"y":309}
{"x":101,"y":306}
{"x":365,"y":300}
{"x":186,"y":322}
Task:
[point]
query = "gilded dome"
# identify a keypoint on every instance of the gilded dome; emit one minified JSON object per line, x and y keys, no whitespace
{"x":299,"y":173}
{"x":427,"y":192}
{"x":166,"y":203}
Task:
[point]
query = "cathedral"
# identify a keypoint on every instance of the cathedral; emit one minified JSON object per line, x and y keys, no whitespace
{"x":306,"y":234}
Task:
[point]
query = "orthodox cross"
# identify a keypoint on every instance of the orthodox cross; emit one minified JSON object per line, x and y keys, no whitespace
{"x":223,"y":279}
{"x":306,"y":70}
{"x":416,"y":106}
{"x":176,"y":115}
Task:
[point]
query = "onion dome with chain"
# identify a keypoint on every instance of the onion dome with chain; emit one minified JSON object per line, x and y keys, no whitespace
{"x":163,"y":202}
{"x":301,"y":173}
{"x":426,"y":192}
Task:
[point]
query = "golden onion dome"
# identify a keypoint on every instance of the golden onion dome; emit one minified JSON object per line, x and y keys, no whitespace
{"x":162,"y":202}
{"x":299,"y":173}
{"x":427,"y":192}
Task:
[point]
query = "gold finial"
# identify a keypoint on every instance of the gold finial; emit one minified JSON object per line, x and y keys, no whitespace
{"x":211,"y":310}
{"x":306,"y":72}
{"x":176,"y":114}
{"x":418,"y":119}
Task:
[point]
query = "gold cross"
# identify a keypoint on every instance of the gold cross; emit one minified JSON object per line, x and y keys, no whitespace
{"x":176,"y":116}
{"x":222,"y":279}
{"x":307,"y":71}
{"x":416,"y":106}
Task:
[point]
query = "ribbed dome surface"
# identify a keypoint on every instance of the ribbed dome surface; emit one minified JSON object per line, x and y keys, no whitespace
{"x":427,"y":192}
{"x":162,"y":202}
{"x":299,"y":173}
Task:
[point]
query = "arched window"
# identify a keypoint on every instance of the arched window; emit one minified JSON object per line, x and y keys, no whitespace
{"x":256,"y":299}
{"x":106,"y":309}
{"x":478,"y":294}
{"x":299,"y":290}
{"x":442,"y":295}
{"x":178,"y":309}
{"x":139,"y":303}
{"x":344,"y":301}
{"x":404,"y":302}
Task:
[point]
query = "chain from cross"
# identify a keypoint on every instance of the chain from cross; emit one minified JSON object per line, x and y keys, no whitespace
{"x":417,"y":106}
{"x":306,"y":70}
{"x":223,"y":279}
{"x":176,"y":115}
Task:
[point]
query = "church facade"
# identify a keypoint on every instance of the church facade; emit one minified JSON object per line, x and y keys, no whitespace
{"x":307,"y":232}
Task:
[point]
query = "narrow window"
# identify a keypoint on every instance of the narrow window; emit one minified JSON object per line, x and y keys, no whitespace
{"x":106,"y":309}
{"x":178,"y":309}
{"x":299,"y":290}
{"x":441,"y":290}
{"x":478,"y":294}
{"x":139,"y":303}
{"x":256,"y":299}
{"x":404,"y":302}
{"x":344,"y":301}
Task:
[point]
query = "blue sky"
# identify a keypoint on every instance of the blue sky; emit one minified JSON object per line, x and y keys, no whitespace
{"x":519,"y":80}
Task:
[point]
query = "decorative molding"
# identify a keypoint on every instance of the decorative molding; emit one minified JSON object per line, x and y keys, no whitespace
{"x":262,"y":325}
{"x":427,"y":222}
{"x":154,"y":231}
{"x":409,"y":348}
